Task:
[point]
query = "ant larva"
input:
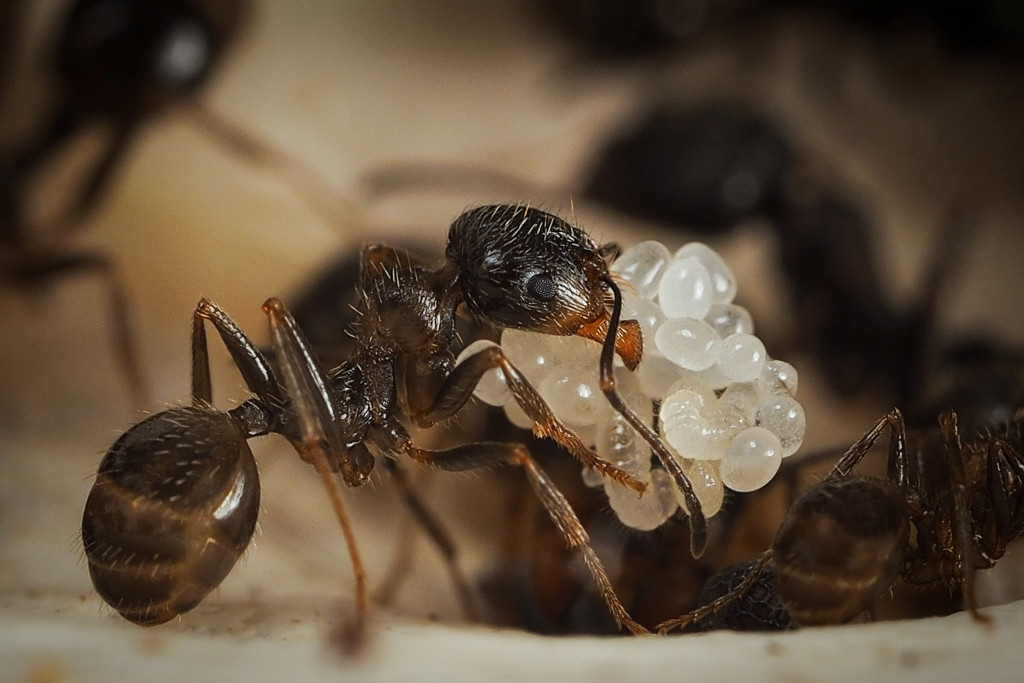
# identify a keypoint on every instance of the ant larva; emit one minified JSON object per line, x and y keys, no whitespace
{"x":175,"y":500}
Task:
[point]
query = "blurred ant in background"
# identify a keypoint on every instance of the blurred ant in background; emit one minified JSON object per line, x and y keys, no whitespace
{"x":118,"y":66}
{"x":632,"y":29}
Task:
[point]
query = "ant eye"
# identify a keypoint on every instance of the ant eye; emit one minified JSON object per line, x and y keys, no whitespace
{"x":542,"y":286}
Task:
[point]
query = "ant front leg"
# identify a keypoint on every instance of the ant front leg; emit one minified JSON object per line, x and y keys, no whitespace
{"x":430,"y":405}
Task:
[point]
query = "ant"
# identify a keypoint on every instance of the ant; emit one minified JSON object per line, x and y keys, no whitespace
{"x":176,"y":497}
{"x":120,"y":65}
{"x":951,"y":502}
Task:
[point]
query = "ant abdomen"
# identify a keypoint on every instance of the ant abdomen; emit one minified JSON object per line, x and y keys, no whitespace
{"x":173,"y":507}
{"x":842,"y":544}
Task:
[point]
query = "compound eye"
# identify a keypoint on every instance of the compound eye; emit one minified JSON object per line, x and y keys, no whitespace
{"x":542,"y":286}
{"x":183,"y":54}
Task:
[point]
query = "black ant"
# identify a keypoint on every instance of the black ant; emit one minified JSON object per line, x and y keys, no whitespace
{"x":950,"y":504}
{"x":120,"y":65}
{"x":175,"y":499}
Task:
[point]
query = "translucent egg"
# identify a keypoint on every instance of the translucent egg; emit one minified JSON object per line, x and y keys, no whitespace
{"x":533,"y":354}
{"x":491,"y":388}
{"x":728,"y":319}
{"x":641,"y":266}
{"x":645,"y":512}
{"x":742,"y":357}
{"x":685,"y":289}
{"x":751,"y":460}
{"x":618,"y":443}
{"x":707,"y":486}
{"x":688,"y":342}
{"x":738,"y":404}
{"x":657,"y":375}
{"x":645,"y":312}
{"x":576,"y":400}
{"x":723,"y":283}
{"x":784,"y":417}
{"x":517,"y":416}
{"x":779,"y":377}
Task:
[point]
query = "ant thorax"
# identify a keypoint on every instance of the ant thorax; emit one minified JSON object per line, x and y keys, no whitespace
{"x":726,"y":409}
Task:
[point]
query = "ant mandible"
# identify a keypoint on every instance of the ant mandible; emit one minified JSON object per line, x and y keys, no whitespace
{"x":176,"y":497}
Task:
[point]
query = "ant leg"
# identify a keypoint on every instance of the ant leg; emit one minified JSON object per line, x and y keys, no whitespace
{"x":98,"y":180}
{"x":473,"y":456}
{"x":438,"y":535}
{"x":251,"y":363}
{"x":898,"y":468}
{"x":429,"y":406}
{"x":1005,"y":474}
{"x":308,"y":184}
{"x":320,"y":439}
{"x":960,"y":514}
{"x":698,"y":523}
{"x":718,"y":603}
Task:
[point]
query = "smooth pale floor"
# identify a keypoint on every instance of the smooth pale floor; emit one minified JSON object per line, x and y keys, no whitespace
{"x":354,"y":86}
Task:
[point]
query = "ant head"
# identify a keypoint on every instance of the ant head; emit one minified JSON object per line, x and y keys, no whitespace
{"x":523,"y":268}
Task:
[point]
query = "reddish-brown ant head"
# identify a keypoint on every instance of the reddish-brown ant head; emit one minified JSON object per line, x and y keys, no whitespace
{"x":523,"y":268}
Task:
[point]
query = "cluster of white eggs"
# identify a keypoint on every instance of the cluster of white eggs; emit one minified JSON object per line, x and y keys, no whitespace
{"x":727,"y":411}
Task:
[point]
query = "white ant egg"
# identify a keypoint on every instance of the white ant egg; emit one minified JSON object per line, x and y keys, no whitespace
{"x":723,"y":283}
{"x":688,"y":342}
{"x":728,"y":319}
{"x":685,"y":289}
{"x":645,"y":512}
{"x":779,"y":377}
{"x":784,"y":417}
{"x":742,"y":357}
{"x":751,"y":460}
{"x":641,"y":266}
{"x":491,"y":389}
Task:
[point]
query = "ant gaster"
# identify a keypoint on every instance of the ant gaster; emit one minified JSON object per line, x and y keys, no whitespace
{"x":175,"y":500}
{"x":948,"y":506}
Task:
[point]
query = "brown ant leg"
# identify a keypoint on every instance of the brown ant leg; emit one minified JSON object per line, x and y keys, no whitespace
{"x":698,"y":523}
{"x":718,"y":603}
{"x":308,"y":184}
{"x":1005,"y":474}
{"x":473,"y":456}
{"x":898,"y":468}
{"x":963,"y":564}
{"x":439,"y":536}
{"x":320,"y":439}
{"x":459,"y":385}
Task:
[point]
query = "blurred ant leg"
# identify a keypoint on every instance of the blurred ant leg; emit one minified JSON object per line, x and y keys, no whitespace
{"x":439,"y":536}
{"x":718,"y":603}
{"x":306,"y":182}
{"x":117,"y":306}
{"x":320,"y":441}
{"x":98,"y":180}
{"x":698,"y":523}
{"x":960,"y":513}
{"x":478,"y":455}
{"x":459,"y":385}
